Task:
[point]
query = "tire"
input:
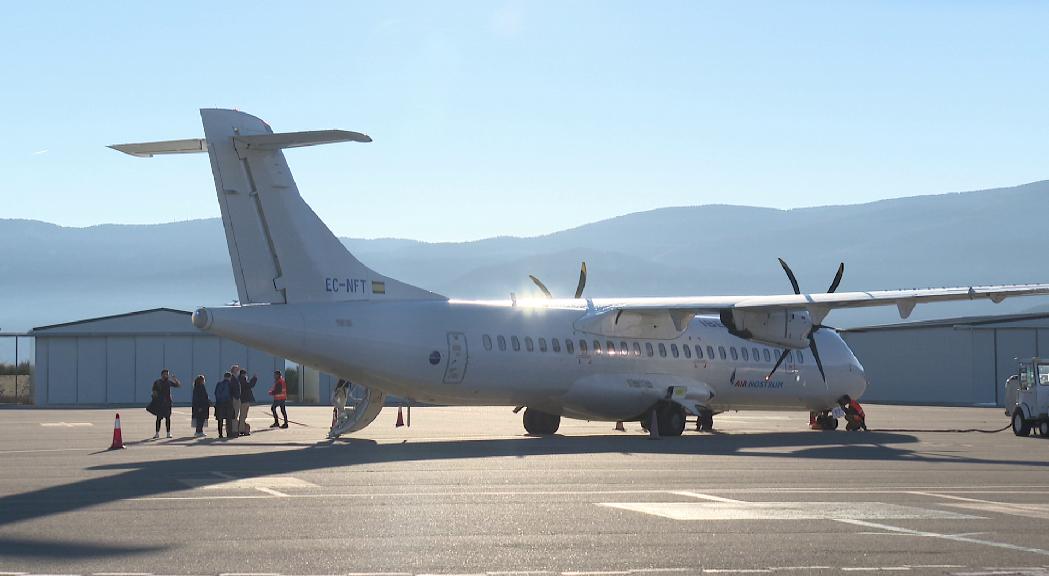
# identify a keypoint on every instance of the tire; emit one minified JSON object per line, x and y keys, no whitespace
{"x":705,"y":422}
{"x":1021,"y":427}
{"x":540,"y":423}
{"x":1043,"y":428}
{"x":671,"y":419}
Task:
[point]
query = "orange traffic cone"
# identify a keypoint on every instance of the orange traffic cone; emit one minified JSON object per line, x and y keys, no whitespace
{"x":400,"y":417}
{"x":118,"y":439}
{"x":619,"y":426}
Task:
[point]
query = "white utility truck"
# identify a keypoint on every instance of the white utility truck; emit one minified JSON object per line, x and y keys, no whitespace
{"x":1027,"y":397}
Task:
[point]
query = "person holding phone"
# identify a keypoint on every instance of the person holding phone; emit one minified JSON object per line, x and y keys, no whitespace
{"x":160,"y":402}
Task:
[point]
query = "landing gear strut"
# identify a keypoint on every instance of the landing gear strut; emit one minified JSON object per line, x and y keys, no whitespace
{"x":705,"y":421}
{"x":540,"y":423}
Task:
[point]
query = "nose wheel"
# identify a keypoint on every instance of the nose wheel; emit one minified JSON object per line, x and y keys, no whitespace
{"x":825,"y":421}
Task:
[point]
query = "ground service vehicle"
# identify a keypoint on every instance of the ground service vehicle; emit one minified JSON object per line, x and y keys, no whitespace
{"x":1027,"y":397}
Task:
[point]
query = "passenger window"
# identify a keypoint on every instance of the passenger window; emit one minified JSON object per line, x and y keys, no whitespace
{"x":662,"y":350}
{"x":799,"y":357}
{"x":648,"y":349}
{"x":687,"y":350}
{"x":528,"y":344}
{"x":721,"y":352}
{"x":555,"y":345}
{"x":623,"y":349}
{"x":699,"y":352}
{"x":610,"y":347}
{"x":755,"y":354}
{"x":746,"y":356}
{"x":765,"y":353}
{"x":570,"y":346}
{"x":597,"y":347}
{"x":582,"y":347}
{"x":673,"y":350}
{"x":637,"y":349}
{"x":734,"y":355}
{"x":542,"y":344}
{"x":515,"y":343}
{"x":502,"y":343}
{"x":487,"y":342}
{"x":710,"y":352}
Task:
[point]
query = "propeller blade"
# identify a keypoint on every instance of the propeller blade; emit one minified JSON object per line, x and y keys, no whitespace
{"x":790,"y":274}
{"x":582,"y":281}
{"x":782,"y":357}
{"x":837,"y":278}
{"x":816,"y":355}
{"x":541,"y":286}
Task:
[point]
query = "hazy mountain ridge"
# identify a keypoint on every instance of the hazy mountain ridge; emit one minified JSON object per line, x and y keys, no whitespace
{"x":53,"y":274}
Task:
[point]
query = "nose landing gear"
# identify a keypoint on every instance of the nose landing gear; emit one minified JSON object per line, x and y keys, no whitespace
{"x":823,"y":421}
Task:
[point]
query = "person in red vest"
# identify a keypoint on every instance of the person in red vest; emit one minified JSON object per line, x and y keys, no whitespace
{"x":854,"y":417}
{"x":279,"y":391}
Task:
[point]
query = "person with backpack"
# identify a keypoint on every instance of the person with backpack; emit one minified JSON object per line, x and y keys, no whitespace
{"x":279,"y":391}
{"x":224,"y":405}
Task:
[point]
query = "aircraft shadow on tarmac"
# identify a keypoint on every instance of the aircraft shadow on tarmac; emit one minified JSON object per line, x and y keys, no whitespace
{"x":160,"y":477}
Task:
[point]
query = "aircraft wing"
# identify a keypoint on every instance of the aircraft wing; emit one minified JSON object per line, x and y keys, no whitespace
{"x":667,"y":317}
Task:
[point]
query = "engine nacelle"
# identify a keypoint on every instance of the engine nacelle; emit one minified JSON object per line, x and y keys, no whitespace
{"x":787,"y":328}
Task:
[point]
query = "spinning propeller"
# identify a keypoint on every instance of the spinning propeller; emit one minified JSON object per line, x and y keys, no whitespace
{"x":578,"y":289}
{"x":815,"y":327}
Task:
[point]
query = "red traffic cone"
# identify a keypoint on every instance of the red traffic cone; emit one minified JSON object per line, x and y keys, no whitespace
{"x":619,"y":426}
{"x":400,"y":417}
{"x":118,"y":439}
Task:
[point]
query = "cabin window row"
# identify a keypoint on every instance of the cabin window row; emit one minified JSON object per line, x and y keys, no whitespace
{"x":753,"y":354}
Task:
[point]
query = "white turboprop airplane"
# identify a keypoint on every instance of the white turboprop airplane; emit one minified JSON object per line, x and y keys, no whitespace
{"x":303,"y":296}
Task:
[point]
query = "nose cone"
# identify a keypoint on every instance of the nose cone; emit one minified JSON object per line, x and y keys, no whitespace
{"x":202,"y":318}
{"x":860,"y":377}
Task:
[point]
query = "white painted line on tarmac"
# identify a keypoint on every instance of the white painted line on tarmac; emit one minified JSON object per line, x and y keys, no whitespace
{"x":230,"y":483}
{"x":952,"y":537}
{"x":417,"y":494}
{"x":785,"y":511}
{"x":222,"y":475}
{"x":123,"y":574}
{"x":271,"y":492}
{"x":65,"y":424}
{"x":1040,"y":511}
{"x":706,"y":497}
{"x":41,"y":451}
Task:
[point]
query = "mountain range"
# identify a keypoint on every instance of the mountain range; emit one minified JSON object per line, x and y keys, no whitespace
{"x":51,"y":274}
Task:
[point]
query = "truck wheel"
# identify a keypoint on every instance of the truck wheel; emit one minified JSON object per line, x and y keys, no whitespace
{"x":1043,"y":428}
{"x":1021,"y":427}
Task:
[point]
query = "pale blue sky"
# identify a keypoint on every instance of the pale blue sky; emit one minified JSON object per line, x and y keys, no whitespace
{"x":524,"y":118}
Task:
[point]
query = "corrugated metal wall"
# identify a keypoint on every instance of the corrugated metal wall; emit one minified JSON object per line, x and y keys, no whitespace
{"x":83,"y":370}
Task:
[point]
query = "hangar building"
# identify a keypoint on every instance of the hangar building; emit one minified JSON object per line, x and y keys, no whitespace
{"x":955,"y":361}
{"x":115,"y":359}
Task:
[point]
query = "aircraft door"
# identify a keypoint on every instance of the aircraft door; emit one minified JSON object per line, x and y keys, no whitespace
{"x":458,"y":357}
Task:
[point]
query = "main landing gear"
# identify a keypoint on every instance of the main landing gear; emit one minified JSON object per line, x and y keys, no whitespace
{"x":670,"y":419}
{"x":823,"y":421}
{"x":705,"y":421}
{"x":539,"y":423}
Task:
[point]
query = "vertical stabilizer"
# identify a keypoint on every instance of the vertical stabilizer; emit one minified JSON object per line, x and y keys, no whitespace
{"x":280,"y":250}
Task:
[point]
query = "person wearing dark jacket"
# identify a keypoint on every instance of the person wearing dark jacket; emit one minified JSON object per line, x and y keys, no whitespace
{"x":224,"y":404}
{"x":201,"y":405}
{"x":247,"y":396}
{"x":160,"y":400}
{"x":234,"y":392}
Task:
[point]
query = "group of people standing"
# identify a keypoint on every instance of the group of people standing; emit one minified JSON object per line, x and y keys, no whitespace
{"x":233,"y":397}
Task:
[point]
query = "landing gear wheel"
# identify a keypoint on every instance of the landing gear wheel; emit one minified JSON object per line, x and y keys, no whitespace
{"x":827,"y":422}
{"x":540,"y":423}
{"x":705,"y":422}
{"x":1043,"y":428}
{"x":1021,"y":427}
{"x":671,"y":419}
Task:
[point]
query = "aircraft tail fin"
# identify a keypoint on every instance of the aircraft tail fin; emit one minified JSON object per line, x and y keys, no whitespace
{"x":280,"y":249}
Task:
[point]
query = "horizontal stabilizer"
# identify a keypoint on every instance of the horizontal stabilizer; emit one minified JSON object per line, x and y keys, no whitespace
{"x":297,"y":139}
{"x":149,"y":149}
{"x":244,"y":143}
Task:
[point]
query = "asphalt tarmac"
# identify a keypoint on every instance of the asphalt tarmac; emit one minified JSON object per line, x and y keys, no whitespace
{"x":463,"y":490}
